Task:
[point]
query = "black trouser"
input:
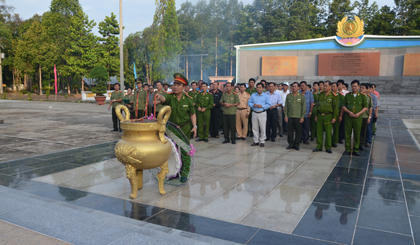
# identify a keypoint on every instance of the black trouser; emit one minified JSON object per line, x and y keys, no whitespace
{"x":293,"y":125}
{"x":271,"y":125}
{"x":305,"y":129}
{"x":250,"y":123}
{"x":229,"y":126}
{"x":216,"y":115}
{"x":285,"y":128}
{"x":115,"y":120}
{"x":341,"y":131}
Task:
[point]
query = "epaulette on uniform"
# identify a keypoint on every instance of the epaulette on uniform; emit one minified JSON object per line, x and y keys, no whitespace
{"x":362,"y":93}
{"x":234,"y":93}
{"x":247,"y":93}
{"x":169,"y":92}
{"x":189,"y":96}
{"x":335,"y":94}
{"x":369,"y":95}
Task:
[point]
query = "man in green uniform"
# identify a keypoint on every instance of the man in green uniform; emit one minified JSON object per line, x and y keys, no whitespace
{"x":139,"y":100}
{"x":130,"y":103}
{"x":315,"y":93}
{"x":294,"y":114}
{"x":336,"y":125}
{"x":194,"y":92}
{"x":355,"y":105}
{"x":116,"y":99}
{"x":204,"y":105}
{"x":229,"y":101}
{"x":250,"y":90}
{"x":159,"y":87}
{"x":183,"y":115}
{"x":326,"y":115}
{"x":366,"y":116}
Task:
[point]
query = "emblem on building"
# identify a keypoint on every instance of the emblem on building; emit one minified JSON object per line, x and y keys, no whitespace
{"x":350,"y":32}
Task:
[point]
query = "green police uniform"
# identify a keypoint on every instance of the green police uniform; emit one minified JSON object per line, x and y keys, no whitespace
{"x":327,"y":109}
{"x":313,"y":122}
{"x":251,"y":91}
{"x":194,"y":94}
{"x":204,"y":100}
{"x":130,"y":97}
{"x":294,"y":110}
{"x":229,"y":115}
{"x":140,"y":98}
{"x":336,"y":125}
{"x":116,"y":95}
{"x":355,"y":105}
{"x":181,"y":116}
{"x":365,"y":117}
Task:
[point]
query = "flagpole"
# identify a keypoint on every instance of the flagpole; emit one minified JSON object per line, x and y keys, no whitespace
{"x":55,"y":82}
{"x":121,"y":51}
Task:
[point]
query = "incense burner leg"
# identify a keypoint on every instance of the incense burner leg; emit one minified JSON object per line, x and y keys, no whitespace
{"x":140,"y":179}
{"x":161,"y":177}
{"x":132,"y":177}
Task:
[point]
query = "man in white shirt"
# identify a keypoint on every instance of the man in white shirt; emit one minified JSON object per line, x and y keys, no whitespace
{"x":283,"y":93}
{"x":272,"y":112}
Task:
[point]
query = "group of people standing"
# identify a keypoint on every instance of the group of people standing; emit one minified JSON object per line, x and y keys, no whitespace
{"x":326,"y":111}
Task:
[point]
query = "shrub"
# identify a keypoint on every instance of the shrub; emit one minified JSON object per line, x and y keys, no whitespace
{"x":100,"y":74}
{"x":30,"y":96}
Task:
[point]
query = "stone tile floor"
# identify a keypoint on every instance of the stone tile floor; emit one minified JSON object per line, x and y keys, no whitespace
{"x":247,"y":194}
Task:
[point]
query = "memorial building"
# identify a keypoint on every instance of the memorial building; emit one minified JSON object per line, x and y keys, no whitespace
{"x":391,"y":62}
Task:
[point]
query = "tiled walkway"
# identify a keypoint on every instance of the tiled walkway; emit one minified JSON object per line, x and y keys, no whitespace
{"x":250,"y":194}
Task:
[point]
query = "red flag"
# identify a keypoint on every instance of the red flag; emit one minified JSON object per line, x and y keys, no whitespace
{"x":55,"y":76}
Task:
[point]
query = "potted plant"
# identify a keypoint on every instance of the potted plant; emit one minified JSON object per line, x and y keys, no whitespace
{"x":100,"y":75}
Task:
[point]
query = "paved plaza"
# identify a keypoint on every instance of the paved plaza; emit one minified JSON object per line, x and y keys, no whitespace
{"x":61,"y":183}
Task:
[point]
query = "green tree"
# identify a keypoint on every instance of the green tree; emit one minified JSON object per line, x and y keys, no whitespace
{"x":81,"y":56}
{"x":109,"y":45}
{"x":100,"y":74}
{"x":338,"y":9}
{"x":382,"y":23}
{"x":166,"y":40}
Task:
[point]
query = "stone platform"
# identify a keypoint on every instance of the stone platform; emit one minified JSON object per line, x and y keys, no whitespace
{"x":238,"y":193}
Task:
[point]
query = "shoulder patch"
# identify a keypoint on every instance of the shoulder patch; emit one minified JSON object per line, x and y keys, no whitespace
{"x":169,"y":92}
{"x":362,"y":93}
{"x":334,"y":94}
{"x":234,"y":93}
{"x":247,"y":93}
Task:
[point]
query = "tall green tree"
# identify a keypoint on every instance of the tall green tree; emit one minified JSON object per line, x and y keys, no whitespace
{"x":109,"y":45}
{"x":338,"y":9}
{"x":81,"y":56}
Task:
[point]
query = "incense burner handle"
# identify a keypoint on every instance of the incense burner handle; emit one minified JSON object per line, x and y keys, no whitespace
{"x":162,"y":118}
{"x":119,"y":115}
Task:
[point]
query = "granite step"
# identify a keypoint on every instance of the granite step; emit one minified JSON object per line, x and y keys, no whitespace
{"x":79,"y":225}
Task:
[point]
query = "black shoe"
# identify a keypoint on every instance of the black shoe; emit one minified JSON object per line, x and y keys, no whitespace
{"x":306,"y":142}
{"x":329,"y":151}
{"x":206,"y":140}
{"x":281,"y":135}
{"x":114,"y":130}
{"x":255,"y":144}
{"x":273,"y":140}
{"x":361,"y":148}
{"x":334,"y":145}
{"x":238,"y":138}
{"x":226,"y":141}
{"x":312,"y":139}
{"x":233,"y":142}
{"x":340,"y":141}
{"x":243,"y":138}
{"x":356,"y":154}
{"x":296,"y":148}
{"x":198,"y":140}
{"x":316,"y":150}
{"x":289,"y":147}
{"x":262,"y":145}
{"x":267,"y":139}
{"x":346,"y":153}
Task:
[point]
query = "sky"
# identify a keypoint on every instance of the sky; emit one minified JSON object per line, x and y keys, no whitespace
{"x":137,"y":14}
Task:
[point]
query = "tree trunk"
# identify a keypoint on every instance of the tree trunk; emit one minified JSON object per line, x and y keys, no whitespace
{"x":40,"y":81}
{"x":231,"y":62}
{"x":83,"y":85}
{"x":186,"y":68}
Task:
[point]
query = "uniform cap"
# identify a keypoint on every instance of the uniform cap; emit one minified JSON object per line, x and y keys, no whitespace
{"x":286,"y":83}
{"x":179,"y":78}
